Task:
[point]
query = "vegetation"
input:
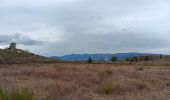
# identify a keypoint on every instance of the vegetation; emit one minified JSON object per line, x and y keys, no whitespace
{"x":23,"y":94}
{"x":12,"y":55}
{"x":90,"y":60}
{"x":19,"y":56}
{"x":139,"y":68}
{"x":56,"y":81}
{"x":145,"y":58}
{"x":161,"y":56}
{"x":12,"y":46}
{"x":3,"y":95}
{"x":113,"y":59}
{"x":105,"y":73}
{"x":108,"y":89}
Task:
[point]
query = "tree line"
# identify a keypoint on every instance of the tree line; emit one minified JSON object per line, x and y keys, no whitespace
{"x":133,"y":58}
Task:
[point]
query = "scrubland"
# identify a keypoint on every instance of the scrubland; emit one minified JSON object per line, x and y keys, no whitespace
{"x":80,"y":81}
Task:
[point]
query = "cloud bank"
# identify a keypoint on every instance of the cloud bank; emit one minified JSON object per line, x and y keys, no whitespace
{"x":86,"y":26}
{"x":19,"y":39}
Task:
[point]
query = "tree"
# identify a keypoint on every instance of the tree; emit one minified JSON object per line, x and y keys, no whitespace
{"x":12,"y":46}
{"x":128,"y":59}
{"x":161,"y":56}
{"x":146,"y":58}
{"x":90,"y":60}
{"x":113,"y":59}
{"x":132,"y":59}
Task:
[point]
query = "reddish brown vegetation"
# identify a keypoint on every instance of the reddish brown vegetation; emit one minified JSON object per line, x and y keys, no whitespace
{"x":68,"y":81}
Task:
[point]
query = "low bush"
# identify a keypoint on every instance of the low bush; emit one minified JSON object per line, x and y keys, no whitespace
{"x":3,"y":95}
{"x":22,"y":94}
{"x":108,"y":89}
{"x":105,"y":73}
{"x":124,"y":86}
{"x":139,"y":69}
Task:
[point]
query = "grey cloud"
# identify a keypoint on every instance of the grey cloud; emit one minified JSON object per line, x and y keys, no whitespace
{"x":19,"y":39}
{"x":87,"y":25}
{"x":116,"y":40}
{"x":112,"y":43}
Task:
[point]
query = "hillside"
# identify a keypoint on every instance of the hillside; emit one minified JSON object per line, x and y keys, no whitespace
{"x":100,"y":57}
{"x":12,"y":56}
{"x":84,"y":57}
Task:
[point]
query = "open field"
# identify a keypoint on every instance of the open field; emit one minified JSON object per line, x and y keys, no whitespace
{"x":69,"y":81}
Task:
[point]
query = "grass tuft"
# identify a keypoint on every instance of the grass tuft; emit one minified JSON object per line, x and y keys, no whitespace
{"x":22,"y":94}
{"x":105,"y":73}
{"x":139,"y":69}
{"x":108,"y":89}
{"x":3,"y":95}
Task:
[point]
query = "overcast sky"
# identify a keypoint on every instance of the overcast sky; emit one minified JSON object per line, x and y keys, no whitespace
{"x":59,"y":27}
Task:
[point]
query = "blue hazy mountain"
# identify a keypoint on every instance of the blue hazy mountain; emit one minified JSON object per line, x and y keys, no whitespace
{"x":99,"y":57}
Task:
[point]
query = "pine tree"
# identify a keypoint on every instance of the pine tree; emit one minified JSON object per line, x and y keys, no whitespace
{"x":113,"y":59}
{"x":90,"y":60}
{"x":12,"y":46}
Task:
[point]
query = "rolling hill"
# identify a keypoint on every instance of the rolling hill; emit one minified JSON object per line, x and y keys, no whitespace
{"x":12,"y":56}
{"x":99,"y":57}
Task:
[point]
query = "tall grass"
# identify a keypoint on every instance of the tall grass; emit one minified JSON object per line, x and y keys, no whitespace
{"x":105,"y":73}
{"x":3,"y":95}
{"x":20,"y":94}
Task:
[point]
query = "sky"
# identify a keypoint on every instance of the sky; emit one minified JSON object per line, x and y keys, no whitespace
{"x":60,"y":27}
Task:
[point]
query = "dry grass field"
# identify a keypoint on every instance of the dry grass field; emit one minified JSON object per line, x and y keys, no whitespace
{"x":69,"y":81}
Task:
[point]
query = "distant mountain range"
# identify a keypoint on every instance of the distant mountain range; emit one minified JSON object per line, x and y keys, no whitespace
{"x":99,"y":57}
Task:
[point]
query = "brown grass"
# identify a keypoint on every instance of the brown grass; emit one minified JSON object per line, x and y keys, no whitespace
{"x":69,"y":81}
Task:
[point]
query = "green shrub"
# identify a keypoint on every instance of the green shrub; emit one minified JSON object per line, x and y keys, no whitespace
{"x":139,"y":69}
{"x":114,"y":59}
{"x":105,"y":73}
{"x":90,"y":60}
{"x":108,"y":89}
{"x":22,"y":94}
{"x":3,"y":95}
